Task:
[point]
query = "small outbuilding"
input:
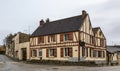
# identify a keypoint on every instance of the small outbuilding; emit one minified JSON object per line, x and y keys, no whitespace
{"x":113,"y":55}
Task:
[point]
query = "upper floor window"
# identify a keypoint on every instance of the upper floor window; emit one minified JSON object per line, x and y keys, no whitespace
{"x":51,"y":38}
{"x":66,"y":37}
{"x":41,"y":39}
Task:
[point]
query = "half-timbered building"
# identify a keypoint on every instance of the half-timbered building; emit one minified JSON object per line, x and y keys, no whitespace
{"x":69,"y":39}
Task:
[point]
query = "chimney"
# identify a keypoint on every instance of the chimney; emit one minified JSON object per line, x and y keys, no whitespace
{"x":47,"y":20}
{"x":41,"y":22}
{"x":83,"y":14}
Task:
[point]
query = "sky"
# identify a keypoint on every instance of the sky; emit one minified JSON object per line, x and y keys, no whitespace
{"x":24,"y":15}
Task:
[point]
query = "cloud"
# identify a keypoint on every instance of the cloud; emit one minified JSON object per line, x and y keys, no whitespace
{"x":18,"y":15}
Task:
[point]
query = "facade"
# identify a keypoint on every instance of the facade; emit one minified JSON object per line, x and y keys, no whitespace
{"x":70,"y":39}
{"x":113,"y":54}
{"x":21,"y":46}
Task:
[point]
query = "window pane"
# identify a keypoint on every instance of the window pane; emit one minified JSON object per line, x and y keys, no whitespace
{"x":66,"y":51}
{"x":40,"y":52}
{"x":83,"y":51}
{"x":66,"y":37}
{"x":34,"y":53}
{"x":51,"y":52}
{"x":51,"y":39}
{"x":41,"y":41}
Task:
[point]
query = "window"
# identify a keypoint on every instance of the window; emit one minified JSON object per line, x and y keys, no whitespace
{"x":52,"y":52}
{"x":90,"y":52}
{"x":94,"y":53}
{"x":86,"y":52}
{"x":40,"y":52}
{"x":34,"y":53}
{"x":98,"y":42}
{"x":66,"y":37}
{"x":52,"y":38}
{"x":41,"y":40}
{"x":103,"y":54}
{"x":99,"y":54}
{"x":66,"y":51}
{"x":83,"y":51}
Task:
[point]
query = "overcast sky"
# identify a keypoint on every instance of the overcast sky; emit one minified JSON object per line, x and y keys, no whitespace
{"x":20,"y":15}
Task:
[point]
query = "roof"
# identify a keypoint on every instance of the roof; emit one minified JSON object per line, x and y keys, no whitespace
{"x":95,"y":29}
{"x":60,"y":26}
{"x":113,"y":49}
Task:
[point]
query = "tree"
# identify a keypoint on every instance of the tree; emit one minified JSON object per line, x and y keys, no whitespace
{"x":8,"y":39}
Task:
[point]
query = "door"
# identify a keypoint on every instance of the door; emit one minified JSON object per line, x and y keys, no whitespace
{"x":24,"y":54}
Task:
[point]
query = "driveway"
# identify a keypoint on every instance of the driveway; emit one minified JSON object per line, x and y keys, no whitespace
{"x":8,"y":65}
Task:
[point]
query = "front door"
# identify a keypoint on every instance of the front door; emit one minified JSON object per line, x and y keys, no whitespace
{"x":24,"y":54}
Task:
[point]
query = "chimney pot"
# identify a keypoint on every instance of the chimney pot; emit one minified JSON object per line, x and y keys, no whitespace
{"x":83,"y":13}
{"x":41,"y":22}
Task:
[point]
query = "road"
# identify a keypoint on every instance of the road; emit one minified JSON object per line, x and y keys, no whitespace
{"x":8,"y":65}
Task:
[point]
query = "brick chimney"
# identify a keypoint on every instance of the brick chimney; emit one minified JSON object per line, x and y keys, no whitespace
{"x":41,"y":22}
{"x":83,"y":14}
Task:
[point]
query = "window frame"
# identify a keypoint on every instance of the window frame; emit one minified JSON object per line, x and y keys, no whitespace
{"x":66,"y":37}
{"x":34,"y":53}
{"x":40,"y":51}
{"x":51,"y":49}
{"x":51,"y":38}
{"x":66,"y":52}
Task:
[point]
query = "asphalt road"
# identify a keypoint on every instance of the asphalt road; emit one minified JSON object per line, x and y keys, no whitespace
{"x":8,"y":65}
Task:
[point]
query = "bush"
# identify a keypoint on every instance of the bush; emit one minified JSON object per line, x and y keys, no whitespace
{"x":65,"y":63}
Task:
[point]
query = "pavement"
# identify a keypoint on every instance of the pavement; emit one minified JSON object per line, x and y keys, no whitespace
{"x":7,"y":64}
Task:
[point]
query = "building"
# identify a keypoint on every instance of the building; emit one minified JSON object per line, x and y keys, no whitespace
{"x":113,"y":55}
{"x":2,"y":49}
{"x":69,"y":39}
{"x":21,"y":46}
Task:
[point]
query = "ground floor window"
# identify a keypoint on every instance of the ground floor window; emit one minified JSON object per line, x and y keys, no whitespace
{"x":84,"y":52}
{"x":103,"y":54}
{"x":66,"y":51}
{"x":90,"y":52}
{"x":34,"y":53}
{"x":94,"y":53}
{"x":51,"y":52}
{"x":40,"y":52}
{"x":99,"y":53}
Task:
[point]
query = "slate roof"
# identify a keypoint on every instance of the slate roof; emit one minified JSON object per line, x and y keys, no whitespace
{"x":60,"y":26}
{"x":95,"y":29}
{"x":113,"y":49}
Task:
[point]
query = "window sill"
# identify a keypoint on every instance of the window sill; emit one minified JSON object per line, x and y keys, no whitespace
{"x":51,"y":56}
{"x":66,"y":56}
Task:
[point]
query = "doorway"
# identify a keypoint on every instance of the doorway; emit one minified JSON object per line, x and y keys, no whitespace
{"x":24,"y":54}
